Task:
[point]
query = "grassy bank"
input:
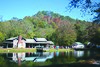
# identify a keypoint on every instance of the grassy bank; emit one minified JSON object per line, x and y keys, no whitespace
{"x":11,"y":50}
{"x":59,"y":50}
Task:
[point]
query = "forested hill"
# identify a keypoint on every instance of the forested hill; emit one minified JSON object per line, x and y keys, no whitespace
{"x":55,"y":17}
{"x":63,"y":30}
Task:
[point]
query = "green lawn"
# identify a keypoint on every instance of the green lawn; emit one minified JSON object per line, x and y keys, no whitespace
{"x":11,"y":50}
{"x":59,"y":50}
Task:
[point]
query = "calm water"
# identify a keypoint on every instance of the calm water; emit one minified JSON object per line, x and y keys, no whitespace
{"x":48,"y":58}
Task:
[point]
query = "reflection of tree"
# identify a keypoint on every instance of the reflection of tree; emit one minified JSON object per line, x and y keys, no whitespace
{"x":63,"y":59}
{"x":6,"y":63}
{"x":2,"y":62}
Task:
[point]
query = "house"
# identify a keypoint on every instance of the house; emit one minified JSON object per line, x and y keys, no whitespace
{"x":19,"y":42}
{"x":78,"y":45}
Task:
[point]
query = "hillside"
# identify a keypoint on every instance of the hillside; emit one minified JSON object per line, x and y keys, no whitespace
{"x":60,"y":29}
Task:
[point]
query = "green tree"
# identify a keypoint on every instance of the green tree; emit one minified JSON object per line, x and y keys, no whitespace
{"x":65,"y":34}
{"x":2,"y":37}
{"x":52,"y":26}
{"x":95,"y":37}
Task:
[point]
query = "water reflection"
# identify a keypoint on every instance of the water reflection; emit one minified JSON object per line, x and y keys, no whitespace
{"x":51,"y":57}
{"x":78,"y":54}
{"x":56,"y":53}
{"x":43,"y":56}
{"x":35,"y":57}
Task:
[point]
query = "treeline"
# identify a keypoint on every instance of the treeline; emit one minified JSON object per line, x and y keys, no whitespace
{"x":62,"y":30}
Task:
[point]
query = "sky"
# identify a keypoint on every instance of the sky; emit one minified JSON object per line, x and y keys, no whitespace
{"x":22,"y":8}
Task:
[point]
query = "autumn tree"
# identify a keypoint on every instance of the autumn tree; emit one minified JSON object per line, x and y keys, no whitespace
{"x":91,"y":7}
{"x":2,"y":37}
{"x":65,"y":34}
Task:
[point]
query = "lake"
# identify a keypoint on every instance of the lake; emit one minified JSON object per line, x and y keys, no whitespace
{"x":87,"y":58}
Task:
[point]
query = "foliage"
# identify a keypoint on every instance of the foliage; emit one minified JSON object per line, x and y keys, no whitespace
{"x":2,"y":37}
{"x":65,"y":34}
{"x":62,"y":30}
{"x":6,"y":63}
{"x":81,"y":31}
{"x":96,"y":36}
{"x":91,"y":7}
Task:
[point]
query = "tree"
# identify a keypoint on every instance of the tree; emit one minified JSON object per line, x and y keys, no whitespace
{"x":94,"y":34}
{"x":2,"y":37}
{"x":65,"y":34}
{"x":60,"y":29}
{"x":87,"y":6}
{"x":80,"y":28}
{"x":91,"y":7}
{"x":97,"y":36}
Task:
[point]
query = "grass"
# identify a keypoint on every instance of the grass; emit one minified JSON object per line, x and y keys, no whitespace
{"x":59,"y":50}
{"x":11,"y":50}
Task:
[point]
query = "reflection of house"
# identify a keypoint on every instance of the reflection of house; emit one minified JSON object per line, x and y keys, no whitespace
{"x":35,"y":57}
{"x":78,"y":53}
{"x":39,"y":56}
{"x":27,"y":43}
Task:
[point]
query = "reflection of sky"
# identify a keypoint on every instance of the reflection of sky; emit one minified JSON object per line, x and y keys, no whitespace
{"x":29,"y":58}
{"x":40,"y":60}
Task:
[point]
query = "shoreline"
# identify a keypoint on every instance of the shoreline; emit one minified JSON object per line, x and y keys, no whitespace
{"x":16,"y":50}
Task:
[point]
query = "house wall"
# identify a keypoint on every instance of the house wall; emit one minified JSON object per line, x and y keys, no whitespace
{"x":21,"y":44}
